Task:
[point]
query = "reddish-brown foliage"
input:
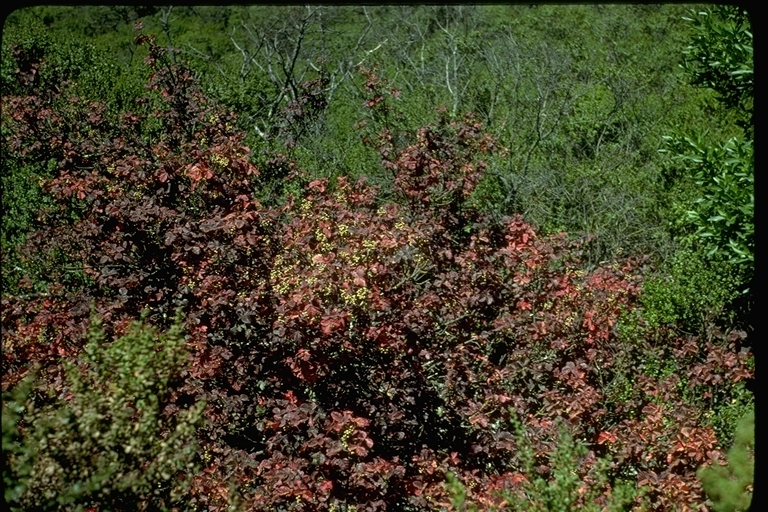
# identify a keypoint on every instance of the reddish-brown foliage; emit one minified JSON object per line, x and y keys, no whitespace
{"x":350,"y":349}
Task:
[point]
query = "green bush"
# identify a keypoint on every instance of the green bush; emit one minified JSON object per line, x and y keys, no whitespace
{"x":563,"y":489}
{"x":104,"y":438}
{"x":723,"y":215}
{"x":719,"y":58}
{"x":727,"y":412}
{"x":730,"y":486}
{"x":690,"y":291}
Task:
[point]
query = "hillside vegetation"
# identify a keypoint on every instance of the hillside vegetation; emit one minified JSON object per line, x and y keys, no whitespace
{"x":410,"y":258}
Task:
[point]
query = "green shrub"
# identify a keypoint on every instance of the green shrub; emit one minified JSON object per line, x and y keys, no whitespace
{"x":730,"y":486}
{"x":720,"y":57}
{"x":563,"y":489}
{"x":721,"y":217}
{"x":690,"y":291}
{"x":723,"y":214}
{"x":104,"y":439}
{"x":727,"y":412}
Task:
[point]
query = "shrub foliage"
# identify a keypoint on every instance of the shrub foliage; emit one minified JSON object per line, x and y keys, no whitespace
{"x":730,"y":486}
{"x":352,"y":347}
{"x":110,"y":440}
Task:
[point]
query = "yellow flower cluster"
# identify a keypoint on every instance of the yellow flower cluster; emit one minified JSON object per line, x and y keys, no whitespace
{"x":354,"y":257}
{"x":278,"y":276}
{"x":324,"y":244}
{"x":357,"y":299}
{"x":219,"y":161}
{"x":346,"y":435}
{"x":335,"y":508}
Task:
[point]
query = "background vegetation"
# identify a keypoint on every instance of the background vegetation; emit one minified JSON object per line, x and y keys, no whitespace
{"x":552,"y":245}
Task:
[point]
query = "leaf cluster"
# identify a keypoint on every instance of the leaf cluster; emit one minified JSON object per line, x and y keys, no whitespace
{"x":720,"y":56}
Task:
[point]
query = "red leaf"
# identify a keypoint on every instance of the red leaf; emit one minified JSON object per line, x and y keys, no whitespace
{"x":605,"y":436}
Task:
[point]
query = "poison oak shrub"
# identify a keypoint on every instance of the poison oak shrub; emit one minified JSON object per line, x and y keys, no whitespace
{"x":355,"y":345}
{"x":152,"y":210}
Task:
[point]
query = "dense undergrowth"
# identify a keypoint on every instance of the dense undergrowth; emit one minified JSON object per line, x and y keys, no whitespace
{"x":313,"y":341}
